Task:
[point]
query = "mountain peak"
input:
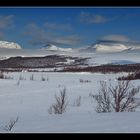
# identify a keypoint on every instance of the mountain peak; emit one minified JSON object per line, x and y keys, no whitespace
{"x":9,"y":45}
{"x":52,"y":47}
{"x":108,"y":46}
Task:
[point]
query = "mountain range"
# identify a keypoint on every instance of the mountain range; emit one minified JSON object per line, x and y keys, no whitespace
{"x":99,"y":46}
{"x":101,"y":52}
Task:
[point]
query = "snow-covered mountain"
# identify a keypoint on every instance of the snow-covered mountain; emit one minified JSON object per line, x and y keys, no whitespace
{"x":9,"y":45}
{"x":112,"y":48}
{"x":108,"y":46}
{"x":51,"y":47}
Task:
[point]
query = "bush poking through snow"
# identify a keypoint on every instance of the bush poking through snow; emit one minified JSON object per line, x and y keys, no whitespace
{"x":61,"y":103}
{"x":84,"y":81}
{"x":32,"y":77}
{"x":21,"y":77}
{"x":1,"y":75}
{"x":10,"y":125}
{"x":117,"y":98}
{"x":77,"y":101}
{"x":47,"y":78}
{"x":18,"y":82}
{"x":43,"y":78}
{"x":131,"y":76}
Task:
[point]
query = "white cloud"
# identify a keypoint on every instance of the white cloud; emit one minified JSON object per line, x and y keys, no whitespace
{"x":92,"y":18}
{"x":97,"y":19}
{"x":6,"y":21}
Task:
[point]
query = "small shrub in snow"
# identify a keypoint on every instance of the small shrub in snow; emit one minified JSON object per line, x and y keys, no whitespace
{"x":32,"y":77}
{"x":50,"y":110}
{"x":61,"y":103}
{"x":77,"y":101}
{"x":21,"y":77}
{"x":1,"y":75}
{"x":43,"y":78}
{"x":18,"y":82}
{"x":8,"y":77}
{"x":10,"y":125}
{"x":47,"y":78}
{"x":84,"y":81}
{"x":131,"y":76}
{"x":117,"y":98}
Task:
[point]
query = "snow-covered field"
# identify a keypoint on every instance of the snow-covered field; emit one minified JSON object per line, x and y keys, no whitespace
{"x":29,"y":100}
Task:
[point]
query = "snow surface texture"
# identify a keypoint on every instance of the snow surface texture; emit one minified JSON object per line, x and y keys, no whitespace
{"x":9,"y":45}
{"x":31,"y":99}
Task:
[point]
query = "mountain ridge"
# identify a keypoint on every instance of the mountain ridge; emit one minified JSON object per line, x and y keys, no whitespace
{"x":52,"y":47}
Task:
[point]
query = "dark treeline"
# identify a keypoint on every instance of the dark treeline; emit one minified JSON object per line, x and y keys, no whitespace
{"x":110,"y":68}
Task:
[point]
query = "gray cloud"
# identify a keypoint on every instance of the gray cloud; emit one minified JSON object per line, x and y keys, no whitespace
{"x":6,"y":21}
{"x":89,"y":18}
{"x":39,"y":36}
{"x":34,"y":34}
{"x":115,"y":37}
{"x":55,"y":26}
{"x":69,"y":40}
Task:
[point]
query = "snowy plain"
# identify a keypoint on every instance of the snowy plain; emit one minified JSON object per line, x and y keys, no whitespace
{"x":30,"y":100}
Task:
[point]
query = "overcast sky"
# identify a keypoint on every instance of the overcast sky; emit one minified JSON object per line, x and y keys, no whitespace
{"x":68,"y":27}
